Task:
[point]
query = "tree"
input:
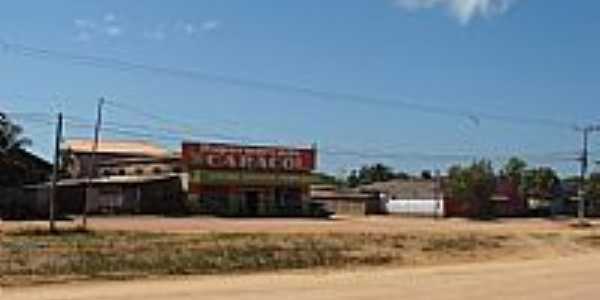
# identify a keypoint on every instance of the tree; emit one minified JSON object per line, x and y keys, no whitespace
{"x":353,"y":179}
{"x":402,"y":175}
{"x":11,"y":135}
{"x":371,"y":173}
{"x":325,"y":178}
{"x":541,"y":183}
{"x":474,"y":185}
{"x":426,"y":175}
{"x":514,"y":169}
{"x":11,"y":141}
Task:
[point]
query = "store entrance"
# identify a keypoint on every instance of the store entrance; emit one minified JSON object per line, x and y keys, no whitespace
{"x":252,"y":202}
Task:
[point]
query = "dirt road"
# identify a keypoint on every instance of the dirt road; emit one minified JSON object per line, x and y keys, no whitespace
{"x":384,"y":224}
{"x":567,"y":278}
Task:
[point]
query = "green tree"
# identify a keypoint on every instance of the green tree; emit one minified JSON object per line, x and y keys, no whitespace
{"x":325,"y":178}
{"x":371,"y":173}
{"x":514,"y":168}
{"x":474,"y":185}
{"x":513,"y":171}
{"x":12,"y":172}
{"x":353,"y":179}
{"x":11,"y":135}
{"x":541,"y":183}
{"x":378,"y":172}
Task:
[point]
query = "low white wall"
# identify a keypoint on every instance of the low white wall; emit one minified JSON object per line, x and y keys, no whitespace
{"x":416,"y":207}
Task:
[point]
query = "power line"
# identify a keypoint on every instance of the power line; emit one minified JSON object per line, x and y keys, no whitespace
{"x":162,"y":134}
{"x":122,"y":65}
{"x":170,"y":125}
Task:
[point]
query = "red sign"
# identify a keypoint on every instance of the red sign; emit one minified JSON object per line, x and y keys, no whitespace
{"x":201,"y":156}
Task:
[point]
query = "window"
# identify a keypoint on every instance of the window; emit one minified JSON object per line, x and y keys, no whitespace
{"x":156,"y":170}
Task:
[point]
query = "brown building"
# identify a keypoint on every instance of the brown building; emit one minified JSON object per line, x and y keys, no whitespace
{"x":119,"y":157}
{"x":241,"y":180}
{"x":130,"y":177}
{"x":160,"y":194}
{"x":342,"y":201}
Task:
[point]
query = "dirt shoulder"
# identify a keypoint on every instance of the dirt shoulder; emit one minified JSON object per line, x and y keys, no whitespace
{"x":558,"y":279}
{"x":344,"y":224}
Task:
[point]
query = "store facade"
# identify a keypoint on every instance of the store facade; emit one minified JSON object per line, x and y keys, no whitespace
{"x":240,"y":180}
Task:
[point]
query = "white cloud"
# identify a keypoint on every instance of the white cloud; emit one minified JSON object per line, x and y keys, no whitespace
{"x":210,"y":25}
{"x":158,"y":34}
{"x":84,"y":24}
{"x":114,"y":31}
{"x":84,"y":36}
{"x":165,"y":30}
{"x":189,"y":28}
{"x":107,"y":26}
{"x":111,"y":26}
{"x":463,"y":10}
{"x":110,"y":18}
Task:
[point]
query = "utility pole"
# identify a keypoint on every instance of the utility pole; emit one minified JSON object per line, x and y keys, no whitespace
{"x":55,"y":169}
{"x":584,"y":159}
{"x":438,"y":195}
{"x":92,"y":163}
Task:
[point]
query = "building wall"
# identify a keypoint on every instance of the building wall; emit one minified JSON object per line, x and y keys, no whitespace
{"x":344,"y":206}
{"x":162,"y":196}
{"x":251,"y":200}
{"x":416,"y":207}
{"x":78,"y":165}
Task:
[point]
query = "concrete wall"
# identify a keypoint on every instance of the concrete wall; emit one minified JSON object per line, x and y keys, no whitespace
{"x":344,"y":206}
{"x":415,"y":207}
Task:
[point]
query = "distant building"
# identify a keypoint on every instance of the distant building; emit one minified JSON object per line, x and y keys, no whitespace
{"x":342,"y":201}
{"x":152,"y":194}
{"x":247,"y":180}
{"x":129,"y":177}
{"x":412,"y":197}
{"x":119,"y":158}
{"x":507,"y":200}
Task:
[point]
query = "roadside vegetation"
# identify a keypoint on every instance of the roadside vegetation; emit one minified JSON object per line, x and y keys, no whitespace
{"x":33,"y":257}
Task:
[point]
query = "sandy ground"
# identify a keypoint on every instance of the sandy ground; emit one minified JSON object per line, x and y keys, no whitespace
{"x":566,"y":278}
{"x":342,"y":224}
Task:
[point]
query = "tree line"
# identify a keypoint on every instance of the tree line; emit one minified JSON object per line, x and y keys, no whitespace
{"x":476,"y":183}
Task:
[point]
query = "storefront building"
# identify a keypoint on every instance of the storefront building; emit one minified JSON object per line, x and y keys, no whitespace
{"x":238,"y":180}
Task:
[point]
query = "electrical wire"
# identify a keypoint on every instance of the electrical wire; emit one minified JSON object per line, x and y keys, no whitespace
{"x":162,"y":134}
{"x":122,"y":65}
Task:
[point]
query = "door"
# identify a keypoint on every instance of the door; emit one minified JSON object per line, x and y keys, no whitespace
{"x":252,"y":202}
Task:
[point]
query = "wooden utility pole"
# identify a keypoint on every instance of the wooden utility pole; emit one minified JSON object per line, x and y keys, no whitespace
{"x":92,"y":163}
{"x":438,"y":195}
{"x":55,"y":169}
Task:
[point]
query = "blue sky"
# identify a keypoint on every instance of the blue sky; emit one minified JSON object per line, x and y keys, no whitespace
{"x":522,"y":58}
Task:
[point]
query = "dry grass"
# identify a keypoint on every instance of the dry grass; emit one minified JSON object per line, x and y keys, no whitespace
{"x":31,"y":255}
{"x":34,"y":257}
